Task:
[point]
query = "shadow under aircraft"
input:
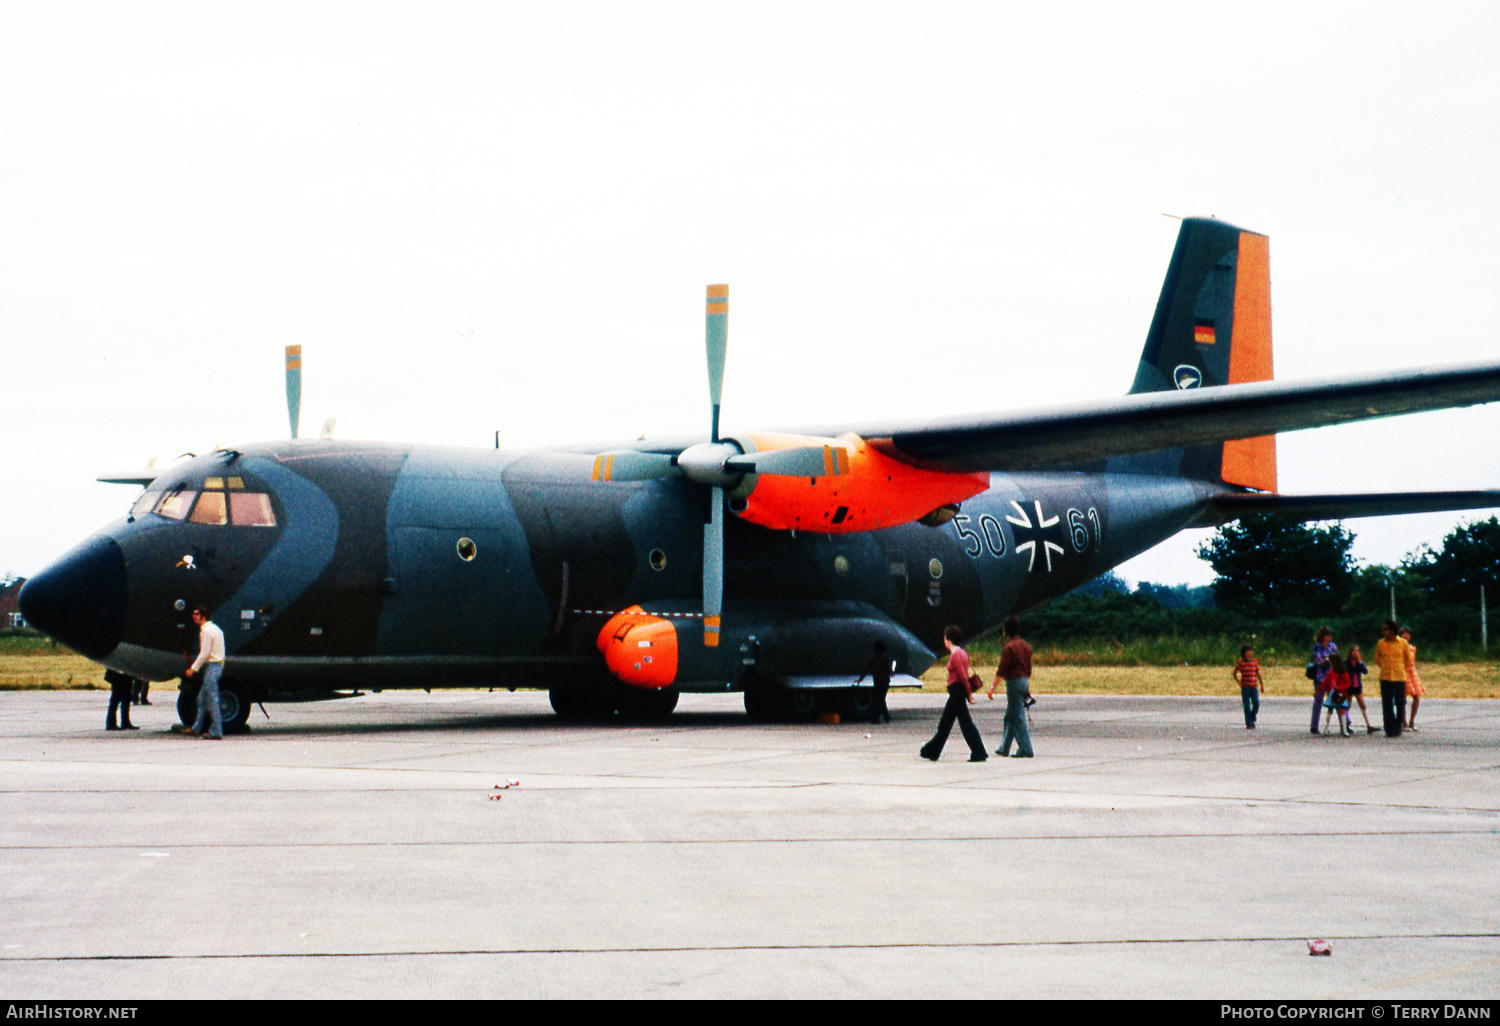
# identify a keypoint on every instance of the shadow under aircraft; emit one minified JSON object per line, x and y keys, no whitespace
{"x":773,"y":563}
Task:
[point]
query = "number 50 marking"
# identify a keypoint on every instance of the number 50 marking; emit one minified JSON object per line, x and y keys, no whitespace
{"x":989,"y":536}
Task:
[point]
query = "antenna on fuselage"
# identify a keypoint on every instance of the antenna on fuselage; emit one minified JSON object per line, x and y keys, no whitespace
{"x":294,"y":386}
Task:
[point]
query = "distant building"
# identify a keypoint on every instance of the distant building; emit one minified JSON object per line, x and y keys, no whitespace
{"x":10,"y":602}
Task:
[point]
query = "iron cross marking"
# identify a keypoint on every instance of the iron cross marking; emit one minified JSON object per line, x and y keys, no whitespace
{"x":1049,"y":532}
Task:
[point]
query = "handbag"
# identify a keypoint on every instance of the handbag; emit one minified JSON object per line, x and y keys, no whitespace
{"x":975,"y":683}
{"x":1312,"y":671}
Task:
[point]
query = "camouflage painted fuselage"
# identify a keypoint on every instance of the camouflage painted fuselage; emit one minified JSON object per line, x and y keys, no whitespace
{"x":363,"y":580}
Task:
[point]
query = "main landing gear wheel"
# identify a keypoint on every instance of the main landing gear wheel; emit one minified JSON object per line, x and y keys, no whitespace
{"x":580,"y":702}
{"x":857,"y":704}
{"x":799,"y":705}
{"x":760,"y":705}
{"x":649,"y":706}
{"x":234,"y":706}
{"x":566,"y":701}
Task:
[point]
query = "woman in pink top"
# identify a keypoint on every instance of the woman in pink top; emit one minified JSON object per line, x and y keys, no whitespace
{"x":959,"y":697}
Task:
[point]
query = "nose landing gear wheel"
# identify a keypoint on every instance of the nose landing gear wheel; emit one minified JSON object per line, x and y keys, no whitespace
{"x":187,"y":702}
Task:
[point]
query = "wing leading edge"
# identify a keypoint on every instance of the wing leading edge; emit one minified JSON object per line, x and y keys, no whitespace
{"x":1087,"y":432}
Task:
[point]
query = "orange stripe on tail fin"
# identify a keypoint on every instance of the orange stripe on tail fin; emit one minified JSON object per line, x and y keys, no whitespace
{"x":1251,"y":462}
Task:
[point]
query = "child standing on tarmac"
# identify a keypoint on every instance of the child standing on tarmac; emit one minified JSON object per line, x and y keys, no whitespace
{"x":1355,"y":664}
{"x":1246,"y":674}
{"x":1337,"y":698}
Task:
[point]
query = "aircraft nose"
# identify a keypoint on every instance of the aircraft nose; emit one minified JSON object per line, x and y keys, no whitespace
{"x":80,"y":599}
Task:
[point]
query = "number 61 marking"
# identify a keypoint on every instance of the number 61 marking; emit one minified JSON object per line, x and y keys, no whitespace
{"x":1078,"y":530}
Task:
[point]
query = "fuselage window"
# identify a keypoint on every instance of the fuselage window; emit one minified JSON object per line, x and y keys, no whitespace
{"x":175,"y":505}
{"x":145,"y":503}
{"x":210,"y":509}
{"x":251,"y":509}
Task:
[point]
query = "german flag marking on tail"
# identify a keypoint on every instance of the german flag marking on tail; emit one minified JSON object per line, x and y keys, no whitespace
{"x":1203,"y":332}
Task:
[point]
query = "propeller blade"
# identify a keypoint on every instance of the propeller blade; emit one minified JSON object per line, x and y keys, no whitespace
{"x":713,"y":568}
{"x":632,"y":466}
{"x":718,"y":347}
{"x":294,"y":386}
{"x":806,"y":461}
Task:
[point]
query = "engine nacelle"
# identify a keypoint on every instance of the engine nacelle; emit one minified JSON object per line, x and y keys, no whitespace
{"x":874,"y":491}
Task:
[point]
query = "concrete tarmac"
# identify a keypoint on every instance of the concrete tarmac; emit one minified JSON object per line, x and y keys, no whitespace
{"x":1153,"y":848}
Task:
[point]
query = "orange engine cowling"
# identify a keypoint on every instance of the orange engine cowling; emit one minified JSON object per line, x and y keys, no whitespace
{"x":871,"y":492}
{"x":640,"y":648}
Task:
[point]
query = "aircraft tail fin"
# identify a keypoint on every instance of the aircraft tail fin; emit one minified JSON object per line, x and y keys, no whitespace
{"x":1213,"y":327}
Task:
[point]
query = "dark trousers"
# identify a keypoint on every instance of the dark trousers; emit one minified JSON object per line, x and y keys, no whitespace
{"x":1393,"y":705}
{"x":1250,"y":699}
{"x":120,"y":688}
{"x":956,"y":709}
{"x":878,"y":710}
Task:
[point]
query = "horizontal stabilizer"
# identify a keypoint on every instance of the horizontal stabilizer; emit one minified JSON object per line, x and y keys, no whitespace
{"x":1224,"y":508}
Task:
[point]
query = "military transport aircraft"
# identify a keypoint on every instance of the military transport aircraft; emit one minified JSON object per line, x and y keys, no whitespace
{"x":619,"y":575}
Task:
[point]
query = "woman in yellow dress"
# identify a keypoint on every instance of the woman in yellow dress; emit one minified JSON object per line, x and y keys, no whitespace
{"x":1414,"y":688}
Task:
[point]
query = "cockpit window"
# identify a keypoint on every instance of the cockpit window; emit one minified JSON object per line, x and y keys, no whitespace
{"x":215,"y":505}
{"x":175,"y":504}
{"x":210,"y":509}
{"x":252,"y":509}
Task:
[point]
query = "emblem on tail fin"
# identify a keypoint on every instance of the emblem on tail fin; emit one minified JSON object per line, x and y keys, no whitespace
{"x":1187,"y":376}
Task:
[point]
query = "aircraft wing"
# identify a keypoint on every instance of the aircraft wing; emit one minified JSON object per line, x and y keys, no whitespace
{"x":1223,"y":508}
{"x":1147,"y":422}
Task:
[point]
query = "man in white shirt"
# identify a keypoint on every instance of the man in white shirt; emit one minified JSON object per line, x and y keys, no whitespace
{"x":209,"y":725}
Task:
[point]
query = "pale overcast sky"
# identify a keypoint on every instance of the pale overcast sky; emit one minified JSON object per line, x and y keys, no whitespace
{"x":502,"y":216}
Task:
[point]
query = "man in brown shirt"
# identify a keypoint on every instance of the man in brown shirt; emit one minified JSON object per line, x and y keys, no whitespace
{"x":1015,"y":670}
